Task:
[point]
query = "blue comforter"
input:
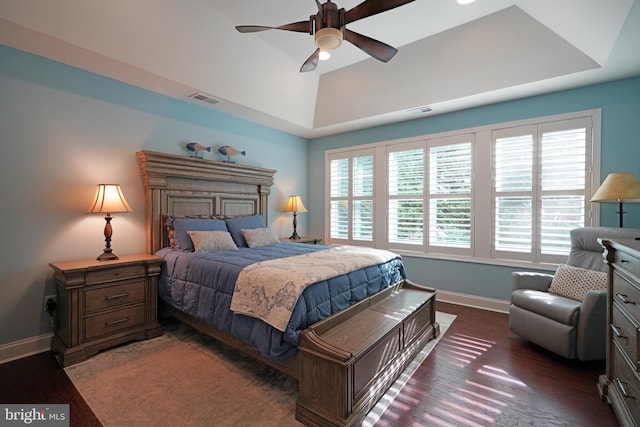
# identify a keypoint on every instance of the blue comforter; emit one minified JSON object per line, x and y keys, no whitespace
{"x":202,"y":284}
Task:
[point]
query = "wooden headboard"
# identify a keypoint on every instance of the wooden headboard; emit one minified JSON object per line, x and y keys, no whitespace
{"x":181,"y":186}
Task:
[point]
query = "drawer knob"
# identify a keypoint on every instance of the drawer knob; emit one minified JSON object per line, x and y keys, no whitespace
{"x":623,"y":389}
{"x":616,"y":332}
{"x":112,"y":297}
{"x":624,"y":299}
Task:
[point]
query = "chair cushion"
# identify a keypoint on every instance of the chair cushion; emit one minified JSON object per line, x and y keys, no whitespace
{"x":558,"y":308}
{"x":574,"y":282}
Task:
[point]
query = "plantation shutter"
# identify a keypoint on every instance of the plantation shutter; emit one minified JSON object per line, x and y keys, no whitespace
{"x":450,"y":186}
{"x":351,"y":190}
{"x":339,"y":196}
{"x":563,"y":176}
{"x":363,"y":197}
{"x":513,"y":183}
{"x":405,"y":172}
{"x":540,"y":183}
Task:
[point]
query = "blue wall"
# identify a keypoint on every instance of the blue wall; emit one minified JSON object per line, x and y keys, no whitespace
{"x":620,"y":152}
{"x":64,"y":130}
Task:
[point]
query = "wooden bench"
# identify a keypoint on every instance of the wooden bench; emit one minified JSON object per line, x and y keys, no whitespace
{"x":347,"y":364}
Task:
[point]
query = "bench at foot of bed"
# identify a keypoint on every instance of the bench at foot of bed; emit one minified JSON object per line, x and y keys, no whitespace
{"x":348,"y":361}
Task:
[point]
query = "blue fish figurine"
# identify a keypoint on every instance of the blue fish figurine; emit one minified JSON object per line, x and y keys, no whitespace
{"x":197,"y":148}
{"x":227,"y":150}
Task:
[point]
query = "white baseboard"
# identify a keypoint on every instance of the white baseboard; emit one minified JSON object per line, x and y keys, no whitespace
{"x":24,"y":348}
{"x":474,"y":301}
{"x":42,"y":343}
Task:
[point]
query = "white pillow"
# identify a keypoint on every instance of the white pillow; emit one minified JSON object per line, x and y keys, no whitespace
{"x":574,"y":282}
{"x":205,"y":241}
{"x":256,"y":237}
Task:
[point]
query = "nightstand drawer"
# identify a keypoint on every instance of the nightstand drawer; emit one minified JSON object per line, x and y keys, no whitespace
{"x":111,"y":274}
{"x":113,"y":296}
{"x":625,"y":333}
{"x":626,"y":294}
{"x":107,"y":323}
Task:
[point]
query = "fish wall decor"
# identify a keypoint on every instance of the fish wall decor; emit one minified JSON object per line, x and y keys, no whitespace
{"x":196,"y":148}
{"x":227,"y":150}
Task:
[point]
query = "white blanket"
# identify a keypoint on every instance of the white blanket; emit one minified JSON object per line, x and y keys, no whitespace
{"x":269,"y":290}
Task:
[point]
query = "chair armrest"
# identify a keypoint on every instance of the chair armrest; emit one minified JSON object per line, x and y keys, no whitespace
{"x":594,"y":301}
{"x":531,"y":280}
{"x":592,"y":326}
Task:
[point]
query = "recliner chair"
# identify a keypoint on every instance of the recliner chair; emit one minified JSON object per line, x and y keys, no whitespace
{"x":570,"y":328}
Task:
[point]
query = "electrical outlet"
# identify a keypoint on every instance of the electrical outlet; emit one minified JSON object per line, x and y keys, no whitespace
{"x":47,"y":298}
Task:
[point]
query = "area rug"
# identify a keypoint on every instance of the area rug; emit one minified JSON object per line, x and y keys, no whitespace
{"x":189,"y":379}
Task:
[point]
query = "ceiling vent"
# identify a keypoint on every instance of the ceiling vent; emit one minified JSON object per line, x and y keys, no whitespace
{"x":204,"y":97}
{"x":419,"y":110}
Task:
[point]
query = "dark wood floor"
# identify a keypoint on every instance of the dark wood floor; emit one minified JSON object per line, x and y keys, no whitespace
{"x":480,"y":374}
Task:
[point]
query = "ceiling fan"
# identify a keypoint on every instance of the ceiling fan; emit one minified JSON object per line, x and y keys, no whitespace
{"x":328,"y":27}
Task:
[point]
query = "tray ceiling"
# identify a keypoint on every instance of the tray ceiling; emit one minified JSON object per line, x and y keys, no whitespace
{"x":450,"y":56}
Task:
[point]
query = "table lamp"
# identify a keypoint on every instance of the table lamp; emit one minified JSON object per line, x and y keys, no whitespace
{"x":108,"y":199}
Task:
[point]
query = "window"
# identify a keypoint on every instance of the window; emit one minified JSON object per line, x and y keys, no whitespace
{"x":507,"y":192}
{"x":406,"y":195}
{"x":450,"y":176}
{"x":351,"y":191}
{"x":539,"y":188}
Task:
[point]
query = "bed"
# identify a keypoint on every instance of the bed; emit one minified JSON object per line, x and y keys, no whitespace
{"x":344,"y":356}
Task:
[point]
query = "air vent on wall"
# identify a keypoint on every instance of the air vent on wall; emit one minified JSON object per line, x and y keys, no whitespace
{"x":419,"y":110}
{"x":204,"y":97}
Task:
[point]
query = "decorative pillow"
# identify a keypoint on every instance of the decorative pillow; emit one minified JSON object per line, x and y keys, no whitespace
{"x":235,"y":226}
{"x":181,"y":225}
{"x":574,"y":282}
{"x":206,"y":241}
{"x":256,"y":237}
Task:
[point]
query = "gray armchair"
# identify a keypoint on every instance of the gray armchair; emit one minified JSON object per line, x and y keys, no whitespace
{"x":570,"y":328}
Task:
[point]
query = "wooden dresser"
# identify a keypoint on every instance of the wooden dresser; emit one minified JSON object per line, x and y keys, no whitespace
{"x":620,"y":386}
{"x":104,"y":303}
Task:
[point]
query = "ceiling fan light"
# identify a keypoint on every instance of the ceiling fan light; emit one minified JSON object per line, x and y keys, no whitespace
{"x":324,"y":55}
{"x":328,"y":38}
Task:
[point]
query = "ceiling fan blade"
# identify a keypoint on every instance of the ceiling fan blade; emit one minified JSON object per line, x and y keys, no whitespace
{"x":311,"y":63}
{"x":300,"y":27}
{"x":381,"y":51}
{"x":371,"y":7}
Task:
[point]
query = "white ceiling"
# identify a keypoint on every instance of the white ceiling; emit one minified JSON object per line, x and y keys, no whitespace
{"x":450,"y":56}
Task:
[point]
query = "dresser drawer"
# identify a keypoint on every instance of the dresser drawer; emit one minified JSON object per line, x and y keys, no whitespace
{"x":627,"y":263}
{"x":113,"y":296}
{"x":625,"y":333}
{"x":108,"y":323}
{"x":111,"y":274}
{"x":627,"y":295}
{"x":627,"y":384}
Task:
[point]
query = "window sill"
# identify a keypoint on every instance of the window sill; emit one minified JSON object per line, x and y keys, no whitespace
{"x":476,"y":260}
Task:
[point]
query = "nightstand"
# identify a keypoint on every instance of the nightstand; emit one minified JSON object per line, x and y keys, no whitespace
{"x":104,"y":303}
{"x":304,"y":239}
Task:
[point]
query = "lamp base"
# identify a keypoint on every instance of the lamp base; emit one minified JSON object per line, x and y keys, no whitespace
{"x":294,"y":236}
{"x":107,"y":255}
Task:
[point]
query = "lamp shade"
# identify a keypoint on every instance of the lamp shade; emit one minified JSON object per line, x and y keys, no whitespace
{"x":109,"y":199}
{"x":294,"y":204}
{"x":618,"y":187}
